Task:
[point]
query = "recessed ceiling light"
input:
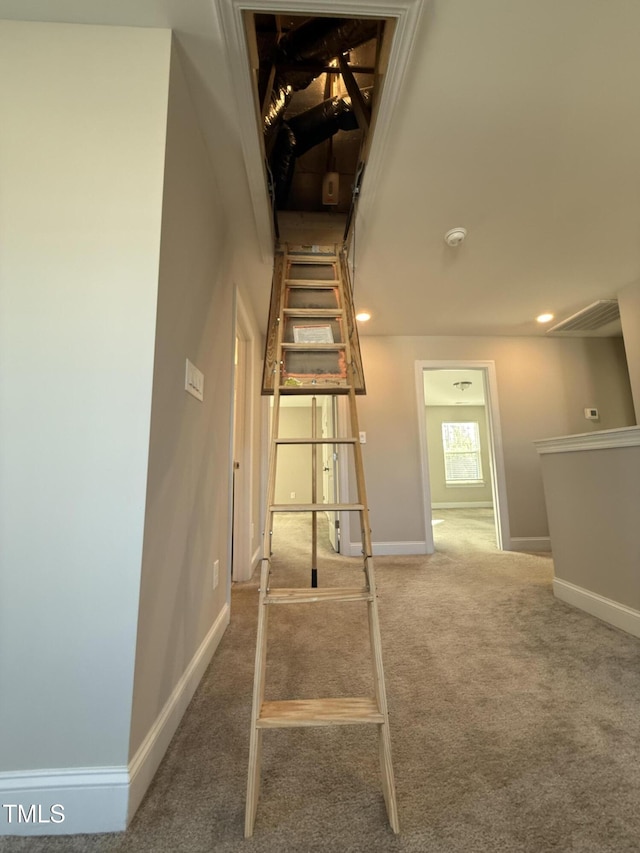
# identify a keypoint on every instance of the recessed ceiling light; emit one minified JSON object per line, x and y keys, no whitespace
{"x":363,"y":316}
{"x":544,"y":318}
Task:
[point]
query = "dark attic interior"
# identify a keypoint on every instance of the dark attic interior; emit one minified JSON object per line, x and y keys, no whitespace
{"x":316,"y":85}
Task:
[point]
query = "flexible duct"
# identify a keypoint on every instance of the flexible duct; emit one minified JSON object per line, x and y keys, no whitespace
{"x":319,"y":123}
{"x":317,"y":41}
{"x":306,"y":130}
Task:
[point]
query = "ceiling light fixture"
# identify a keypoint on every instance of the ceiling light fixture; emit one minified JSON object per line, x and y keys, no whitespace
{"x":455,"y":236}
{"x":462,"y":386}
{"x":544,"y":318}
{"x":363,"y":316}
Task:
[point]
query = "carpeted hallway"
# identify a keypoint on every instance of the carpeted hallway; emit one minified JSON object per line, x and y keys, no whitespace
{"x":515,"y":721}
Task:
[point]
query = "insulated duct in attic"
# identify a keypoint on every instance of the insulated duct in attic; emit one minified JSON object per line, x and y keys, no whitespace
{"x":315,"y":42}
{"x":303,"y":132}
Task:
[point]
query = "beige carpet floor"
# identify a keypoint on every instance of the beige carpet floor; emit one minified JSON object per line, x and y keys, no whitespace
{"x":515,"y":720}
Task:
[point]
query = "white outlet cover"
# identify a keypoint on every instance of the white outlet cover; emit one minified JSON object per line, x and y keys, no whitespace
{"x":194,"y":381}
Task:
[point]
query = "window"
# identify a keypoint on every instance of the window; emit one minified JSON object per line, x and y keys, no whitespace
{"x":462,"y":463}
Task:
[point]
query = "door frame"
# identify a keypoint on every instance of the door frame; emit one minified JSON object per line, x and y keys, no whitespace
{"x":330,"y":468}
{"x":242,"y":441}
{"x":498,"y":479}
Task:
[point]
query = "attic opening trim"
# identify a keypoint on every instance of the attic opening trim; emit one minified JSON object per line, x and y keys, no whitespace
{"x":405,"y":14}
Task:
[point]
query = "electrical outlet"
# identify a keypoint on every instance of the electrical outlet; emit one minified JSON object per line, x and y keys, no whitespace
{"x":292,"y":495}
{"x":216,"y":573}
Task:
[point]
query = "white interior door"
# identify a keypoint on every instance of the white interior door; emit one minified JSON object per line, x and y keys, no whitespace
{"x":330,"y":470}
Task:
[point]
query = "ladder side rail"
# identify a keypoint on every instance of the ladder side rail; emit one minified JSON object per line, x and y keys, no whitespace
{"x":255,"y":741}
{"x":384,"y":740}
{"x":314,"y":495}
{"x":347,"y":304}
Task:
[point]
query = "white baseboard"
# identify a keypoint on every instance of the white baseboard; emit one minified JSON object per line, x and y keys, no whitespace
{"x":389,"y":549}
{"x":618,"y":615}
{"x":90,"y":799}
{"x":530,"y":543}
{"x":101,"y":799}
{"x":462,"y":505}
{"x":145,"y":762}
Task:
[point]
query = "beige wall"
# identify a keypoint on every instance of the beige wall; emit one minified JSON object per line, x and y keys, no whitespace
{"x":187,"y":518}
{"x":543,"y":386}
{"x":294,"y":463}
{"x":81,"y":168}
{"x":435,"y":416}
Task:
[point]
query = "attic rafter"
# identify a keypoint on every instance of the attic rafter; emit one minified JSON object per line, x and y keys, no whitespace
{"x":320,"y":68}
{"x":360,"y":108}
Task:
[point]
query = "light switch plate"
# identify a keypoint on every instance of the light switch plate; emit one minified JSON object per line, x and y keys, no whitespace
{"x":194,"y":381}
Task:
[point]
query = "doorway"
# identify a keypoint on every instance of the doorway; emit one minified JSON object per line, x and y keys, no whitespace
{"x":330,"y":470}
{"x":243,"y":539}
{"x":461,"y":455}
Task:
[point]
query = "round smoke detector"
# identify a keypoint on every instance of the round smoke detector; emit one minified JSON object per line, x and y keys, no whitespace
{"x":455,"y":236}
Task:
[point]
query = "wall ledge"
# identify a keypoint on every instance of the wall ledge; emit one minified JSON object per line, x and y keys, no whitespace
{"x":612,"y":612}
{"x":603,"y":440}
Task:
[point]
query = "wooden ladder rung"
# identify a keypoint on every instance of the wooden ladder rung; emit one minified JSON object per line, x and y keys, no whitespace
{"x":314,"y":389}
{"x":315,"y":507}
{"x":313,"y":283}
{"x":289,"y":345}
{"x":316,"y":259}
{"x":318,"y":594}
{"x":313,"y":312}
{"x":316,"y":440}
{"x":318,"y":712}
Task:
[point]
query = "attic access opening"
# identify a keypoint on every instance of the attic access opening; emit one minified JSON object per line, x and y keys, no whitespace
{"x":316,"y":85}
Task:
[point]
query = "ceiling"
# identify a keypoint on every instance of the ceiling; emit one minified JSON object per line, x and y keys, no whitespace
{"x":440,"y":388}
{"x":518,"y":120}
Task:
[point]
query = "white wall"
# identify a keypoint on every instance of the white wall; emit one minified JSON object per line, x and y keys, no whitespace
{"x":81,"y":157}
{"x":81,"y":166}
{"x":543,"y":386}
{"x":187,"y":525}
